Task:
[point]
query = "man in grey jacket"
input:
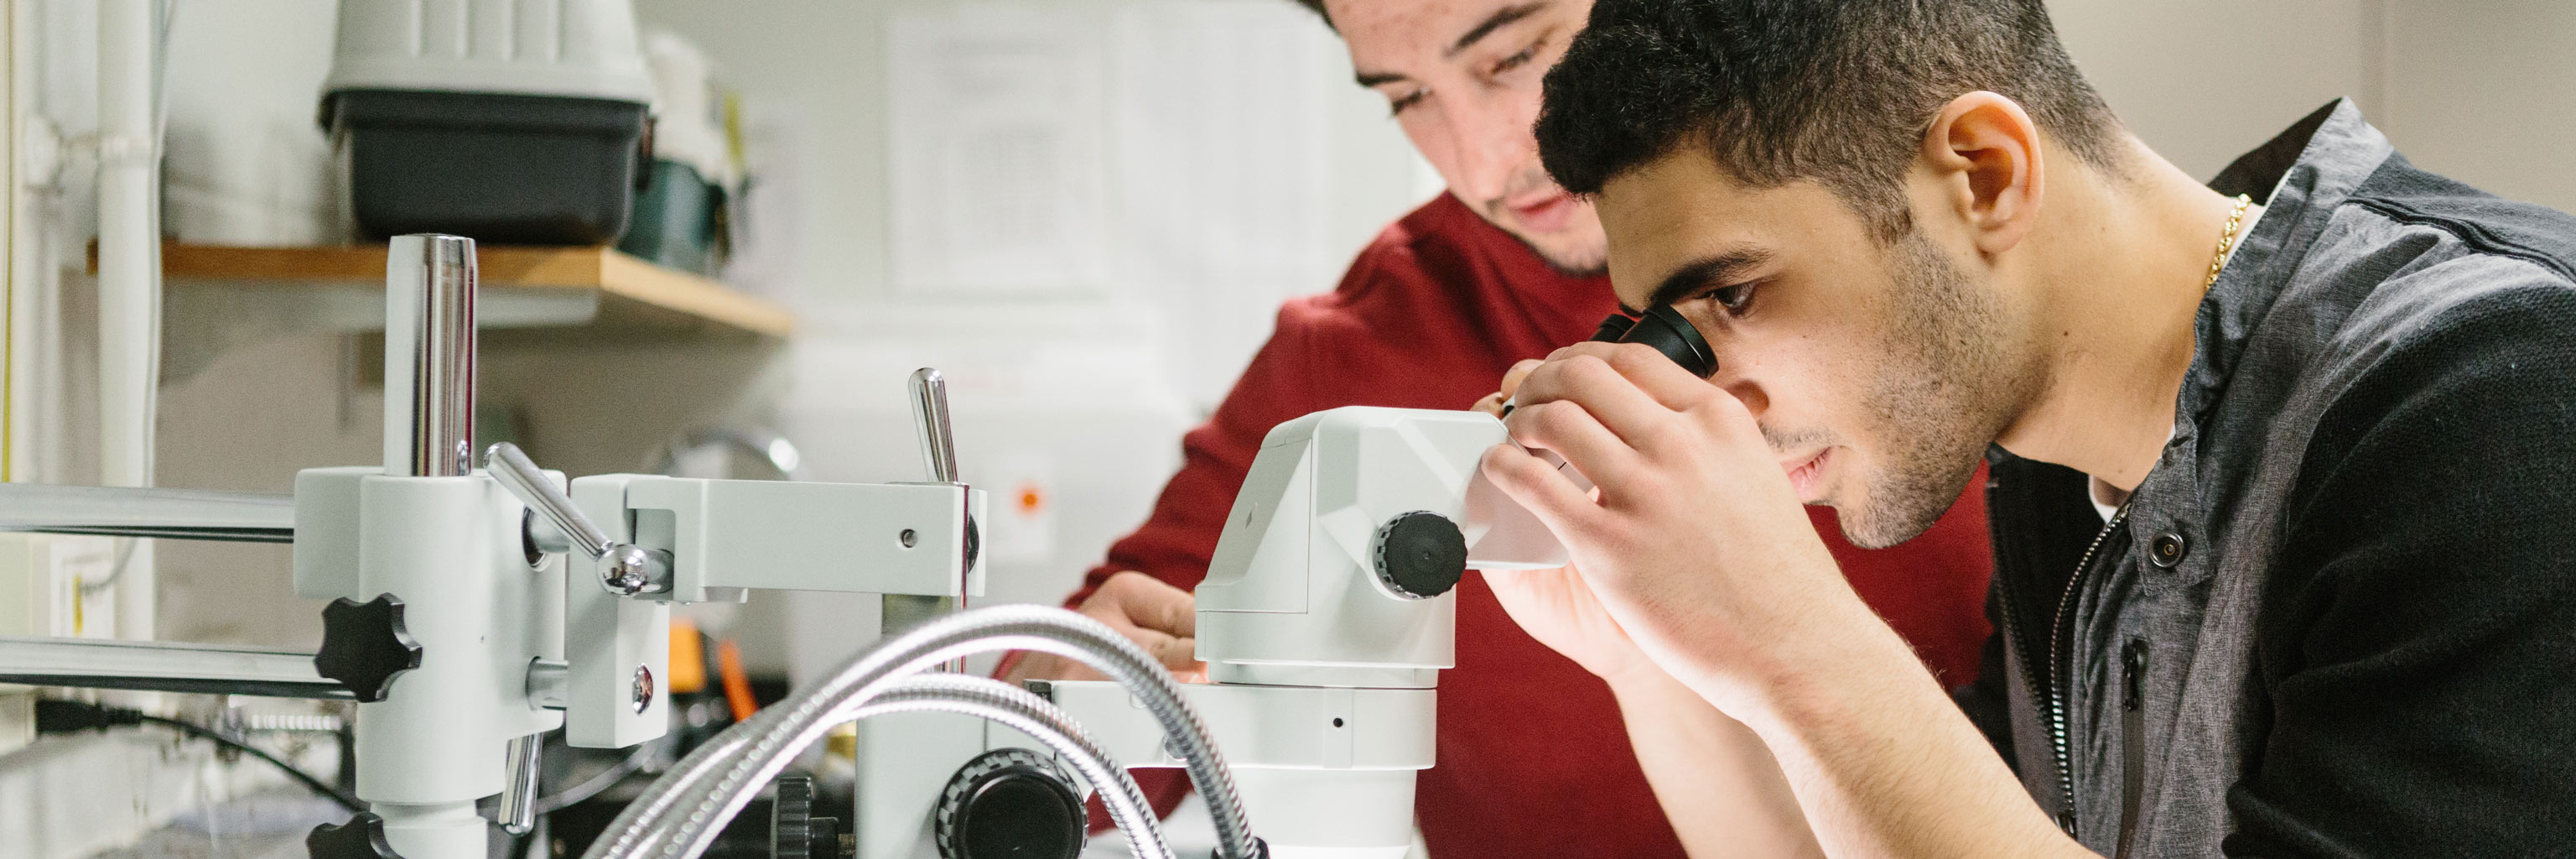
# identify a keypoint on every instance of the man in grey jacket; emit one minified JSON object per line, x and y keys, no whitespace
{"x":2281,"y":464}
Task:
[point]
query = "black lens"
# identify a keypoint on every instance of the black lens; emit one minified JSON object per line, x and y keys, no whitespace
{"x":1664,"y":329}
{"x":1613,"y":327}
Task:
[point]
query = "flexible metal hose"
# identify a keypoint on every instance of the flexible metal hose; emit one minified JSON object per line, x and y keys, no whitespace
{"x":689,"y":835}
{"x":1035,"y":716}
{"x":677,"y":811}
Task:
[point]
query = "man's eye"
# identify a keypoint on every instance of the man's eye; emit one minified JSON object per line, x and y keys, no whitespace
{"x":1517,"y":60}
{"x":1398,"y":104}
{"x":1736,"y":299}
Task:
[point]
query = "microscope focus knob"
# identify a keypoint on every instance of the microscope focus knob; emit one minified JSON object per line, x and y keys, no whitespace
{"x":1419,"y":555}
{"x":1009,"y":803}
{"x":794,"y":831}
{"x":364,"y":645}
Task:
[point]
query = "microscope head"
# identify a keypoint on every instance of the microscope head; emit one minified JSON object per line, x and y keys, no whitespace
{"x":1353,"y":524}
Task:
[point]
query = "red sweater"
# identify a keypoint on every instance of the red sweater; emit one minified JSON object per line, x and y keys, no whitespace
{"x":1533,"y":759}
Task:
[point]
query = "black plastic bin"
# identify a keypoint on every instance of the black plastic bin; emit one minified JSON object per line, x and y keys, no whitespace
{"x":504,"y":169}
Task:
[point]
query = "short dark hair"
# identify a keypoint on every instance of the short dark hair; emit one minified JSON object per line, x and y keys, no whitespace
{"x":1838,"y":91}
{"x":1317,"y":6}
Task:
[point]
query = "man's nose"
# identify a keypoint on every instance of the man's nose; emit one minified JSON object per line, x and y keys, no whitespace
{"x":1749,"y":393}
{"x":1493,"y":147}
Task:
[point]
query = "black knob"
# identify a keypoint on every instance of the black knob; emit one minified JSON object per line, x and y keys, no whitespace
{"x":364,"y":645}
{"x":794,"y":831}
{"x":1009,"y":803}
{"x":1420,"y":555}
{"x":363,"y":837}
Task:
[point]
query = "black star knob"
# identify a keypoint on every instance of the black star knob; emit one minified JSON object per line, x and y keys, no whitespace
{"x":364,"y":645}
{"x":363,"y":837}
{"x":1420,"y":555}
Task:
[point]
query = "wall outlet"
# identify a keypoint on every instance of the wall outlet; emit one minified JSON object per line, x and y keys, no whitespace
{"x":52,"y":585}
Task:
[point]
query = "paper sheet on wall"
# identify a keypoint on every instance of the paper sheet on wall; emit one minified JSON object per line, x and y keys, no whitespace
{"x":996,"y":156}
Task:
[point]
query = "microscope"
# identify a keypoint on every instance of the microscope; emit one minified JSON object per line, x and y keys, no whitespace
{"x":1324,"y":621}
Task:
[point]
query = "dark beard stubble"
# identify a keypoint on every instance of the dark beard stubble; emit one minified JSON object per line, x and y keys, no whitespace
{"x":1950,"y":386}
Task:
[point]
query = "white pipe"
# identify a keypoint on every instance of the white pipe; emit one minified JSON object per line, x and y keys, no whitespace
{"x":23,"y":307}
{"x":129,"y":275}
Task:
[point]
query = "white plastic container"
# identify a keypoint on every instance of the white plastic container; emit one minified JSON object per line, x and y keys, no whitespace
{"x":581,"y":48}
{"x":507,"y":121}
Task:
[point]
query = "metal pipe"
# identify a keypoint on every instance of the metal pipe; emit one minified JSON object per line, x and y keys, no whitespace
{"x":196,"y":668}
{"x":429,"y":356}
{"x":421,"y":768}
{"x":519,"y":795}
{"x":129,"y":276}
{"x":132,"y":512}
{"x":546,"y":681}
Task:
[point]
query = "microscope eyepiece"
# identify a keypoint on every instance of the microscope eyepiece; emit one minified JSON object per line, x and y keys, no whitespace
{"x":1663,"y":328}
{"x":1613,"y":327}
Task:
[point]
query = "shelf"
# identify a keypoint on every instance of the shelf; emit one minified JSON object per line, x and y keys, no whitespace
{"x":218,"y":297}
{"x":616,"y":277}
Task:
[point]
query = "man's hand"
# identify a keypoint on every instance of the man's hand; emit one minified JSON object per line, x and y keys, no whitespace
{"x":1694,"y":544}
{"x":1158,"y":617}
{"x":1492,"y":404}
{"x":1558,"y":608}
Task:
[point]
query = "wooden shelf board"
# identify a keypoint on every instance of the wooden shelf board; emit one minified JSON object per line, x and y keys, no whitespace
{"x":632,"y":289}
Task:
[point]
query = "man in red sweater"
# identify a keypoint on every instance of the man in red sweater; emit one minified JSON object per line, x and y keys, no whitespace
{"x":1532,"y":757}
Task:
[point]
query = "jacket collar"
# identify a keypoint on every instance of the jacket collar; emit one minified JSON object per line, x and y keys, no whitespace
{"x":2300,"y":176}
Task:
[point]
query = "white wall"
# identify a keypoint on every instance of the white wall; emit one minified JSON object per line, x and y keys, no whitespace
{"x":2481,"y":90}
{"x":2202,"y":81}
{"x":2485,"y":92}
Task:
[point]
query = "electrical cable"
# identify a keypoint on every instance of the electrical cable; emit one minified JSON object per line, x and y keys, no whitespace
{"x":56,"y":717}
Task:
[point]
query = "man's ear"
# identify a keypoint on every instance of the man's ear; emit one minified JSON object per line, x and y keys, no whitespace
{"x":1984,"y":154}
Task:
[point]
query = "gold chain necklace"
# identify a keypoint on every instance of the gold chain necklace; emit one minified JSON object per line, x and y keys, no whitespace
{"x":2226,"y":241}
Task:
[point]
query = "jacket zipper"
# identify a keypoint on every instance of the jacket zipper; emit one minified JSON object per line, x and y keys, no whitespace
{"x":2133,"y":736}
{"x":2057,"y":668}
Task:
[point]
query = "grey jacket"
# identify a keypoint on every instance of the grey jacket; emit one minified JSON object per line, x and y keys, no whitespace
{"x":2338,"y":618}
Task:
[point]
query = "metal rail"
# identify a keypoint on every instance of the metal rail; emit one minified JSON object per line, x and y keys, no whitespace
{"x":161,"y":667}
{"x":129,"y":512}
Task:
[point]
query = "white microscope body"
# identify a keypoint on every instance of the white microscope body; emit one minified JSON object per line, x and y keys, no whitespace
{"x":1325,"y":620}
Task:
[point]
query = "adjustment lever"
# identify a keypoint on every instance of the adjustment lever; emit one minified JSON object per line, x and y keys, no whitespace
{"x":929,"y":394}
{"x":625,"y":569}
